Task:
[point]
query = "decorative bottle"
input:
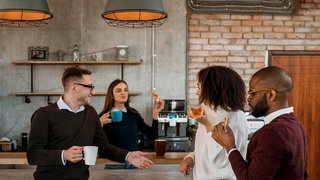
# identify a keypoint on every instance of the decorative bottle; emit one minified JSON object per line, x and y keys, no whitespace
{"x":76,"y":53}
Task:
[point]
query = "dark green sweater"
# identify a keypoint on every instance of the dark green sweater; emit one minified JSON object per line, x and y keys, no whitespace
{"x":54,"y":130}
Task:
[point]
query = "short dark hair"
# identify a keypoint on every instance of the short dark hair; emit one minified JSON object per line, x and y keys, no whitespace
{"x":222,"y":86}
{"x":274,"y":77}
{"x":73,"y":73}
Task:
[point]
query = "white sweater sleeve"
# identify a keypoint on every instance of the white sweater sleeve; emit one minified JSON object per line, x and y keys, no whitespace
{"x":190,"y":155}
{"x":214,"y":162}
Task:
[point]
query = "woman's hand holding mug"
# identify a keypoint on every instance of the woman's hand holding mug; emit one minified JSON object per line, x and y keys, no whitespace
{"x":105,"y":118}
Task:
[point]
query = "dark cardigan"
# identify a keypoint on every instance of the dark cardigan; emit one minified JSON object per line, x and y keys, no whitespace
{"x":279,"y":150}
{"x":125,"y":134}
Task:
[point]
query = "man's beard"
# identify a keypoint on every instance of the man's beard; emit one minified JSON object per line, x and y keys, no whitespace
{"x":84,"y":101}
{"x":261,"y":108}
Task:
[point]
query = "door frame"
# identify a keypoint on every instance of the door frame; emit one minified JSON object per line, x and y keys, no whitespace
{"x":289,"y":52}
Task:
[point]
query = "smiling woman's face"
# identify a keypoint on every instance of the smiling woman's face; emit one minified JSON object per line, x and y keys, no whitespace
{"x":120,"y":93}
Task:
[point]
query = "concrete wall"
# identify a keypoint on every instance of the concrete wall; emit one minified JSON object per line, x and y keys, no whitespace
{"x":80,"y":22}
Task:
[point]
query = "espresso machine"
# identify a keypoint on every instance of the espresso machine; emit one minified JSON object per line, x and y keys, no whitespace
{"x":173,"y":124}
{"x":254,"y":124}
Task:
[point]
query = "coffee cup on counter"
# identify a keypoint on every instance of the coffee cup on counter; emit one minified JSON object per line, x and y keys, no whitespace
{"x":116,"y":115}
{"x":161,"y":146}
{"x":90,"y":154}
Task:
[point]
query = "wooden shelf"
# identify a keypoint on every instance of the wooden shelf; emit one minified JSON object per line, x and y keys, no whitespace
{"x":48,"y":94}
{"x":25,"y":62}
{"x":60,"y":93}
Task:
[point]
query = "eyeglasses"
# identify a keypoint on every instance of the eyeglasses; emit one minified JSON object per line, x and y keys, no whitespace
{"x":85,"y":85}
{"x":252,"y":92}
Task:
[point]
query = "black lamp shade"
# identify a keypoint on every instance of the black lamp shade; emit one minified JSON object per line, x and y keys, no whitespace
{"x":134,"y":13}
{"x":24,"y":13}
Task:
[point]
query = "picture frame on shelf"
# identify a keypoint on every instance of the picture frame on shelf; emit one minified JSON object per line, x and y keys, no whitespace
{"x":38,"y":53}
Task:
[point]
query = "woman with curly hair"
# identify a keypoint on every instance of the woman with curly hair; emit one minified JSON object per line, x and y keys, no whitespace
{"x":222,"y":94}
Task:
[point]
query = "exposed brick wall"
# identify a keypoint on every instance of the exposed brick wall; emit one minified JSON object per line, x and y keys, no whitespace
{"x":241,"y":42}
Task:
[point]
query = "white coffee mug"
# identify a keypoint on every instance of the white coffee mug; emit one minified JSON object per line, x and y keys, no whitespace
{"x":98,"y":56}
{"x":90,"y":154}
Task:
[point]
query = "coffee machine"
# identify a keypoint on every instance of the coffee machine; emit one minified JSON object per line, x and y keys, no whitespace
{"x":173,"y":124}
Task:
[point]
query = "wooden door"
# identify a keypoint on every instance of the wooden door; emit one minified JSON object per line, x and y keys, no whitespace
{"x":305,"y":98}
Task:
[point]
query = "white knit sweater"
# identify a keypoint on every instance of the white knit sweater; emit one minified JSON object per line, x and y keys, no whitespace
{"x":210,"y":158}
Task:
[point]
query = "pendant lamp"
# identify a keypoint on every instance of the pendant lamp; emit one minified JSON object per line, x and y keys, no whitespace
{"x":24,"y":13}
{"x":134,"y":13}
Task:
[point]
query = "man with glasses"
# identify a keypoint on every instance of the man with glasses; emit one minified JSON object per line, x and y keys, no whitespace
{"x":279,"y":150}
{"x":60,"y":130}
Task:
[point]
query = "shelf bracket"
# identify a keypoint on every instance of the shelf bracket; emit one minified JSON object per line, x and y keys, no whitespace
{"x":27,"y":100}
{"x":121,"y":71}
{"x":31,"y":80}
{"x":49,"y":100}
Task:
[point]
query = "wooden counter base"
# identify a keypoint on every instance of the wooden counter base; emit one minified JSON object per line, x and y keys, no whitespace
{"x":168,"y":158}
{"x":157,"y":172}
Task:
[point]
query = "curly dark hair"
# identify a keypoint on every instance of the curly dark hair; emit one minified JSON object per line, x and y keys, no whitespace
{"x":109,"y":102}
{"x":222,"y":86}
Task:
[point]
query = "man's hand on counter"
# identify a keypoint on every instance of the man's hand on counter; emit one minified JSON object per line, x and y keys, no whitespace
{"x":139,"y":159}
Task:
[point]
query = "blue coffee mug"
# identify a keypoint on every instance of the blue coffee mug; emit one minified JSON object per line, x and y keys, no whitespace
{"x":116,"y":116}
